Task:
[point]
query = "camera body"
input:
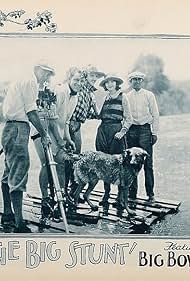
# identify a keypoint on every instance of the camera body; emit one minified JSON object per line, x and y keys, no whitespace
{"x":46,"y":98}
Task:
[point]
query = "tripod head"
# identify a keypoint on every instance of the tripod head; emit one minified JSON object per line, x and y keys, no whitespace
{"x":46,"y":98}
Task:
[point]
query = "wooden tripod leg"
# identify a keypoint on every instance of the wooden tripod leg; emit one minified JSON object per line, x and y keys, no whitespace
{"x":58,"y":192}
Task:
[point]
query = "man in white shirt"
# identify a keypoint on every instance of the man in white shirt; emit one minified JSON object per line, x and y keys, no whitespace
{"x":19,"y":108}
{"x":67,"y":98}
{"x":74,"y":106}
{"x":143,"y":133}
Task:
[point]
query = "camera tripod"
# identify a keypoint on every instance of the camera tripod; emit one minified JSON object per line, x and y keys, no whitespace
{"x":46,"y":99}
{"x":55,"y":184}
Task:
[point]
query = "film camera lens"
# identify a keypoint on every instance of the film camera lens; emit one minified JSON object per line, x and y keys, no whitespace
{"x":46,"y":97}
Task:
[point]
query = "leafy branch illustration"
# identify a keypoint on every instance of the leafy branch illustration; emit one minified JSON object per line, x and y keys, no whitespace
{"x":40,"y":20}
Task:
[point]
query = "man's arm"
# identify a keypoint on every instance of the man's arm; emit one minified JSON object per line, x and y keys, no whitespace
{"x":155,"y":115}
{"x":93,"y":112}
{"x":35,"y":120}
{"x":127,"y":117}
{"x":53,"y":127}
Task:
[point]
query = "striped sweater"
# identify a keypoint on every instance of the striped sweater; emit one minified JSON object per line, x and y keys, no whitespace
{"x":112,"y":109}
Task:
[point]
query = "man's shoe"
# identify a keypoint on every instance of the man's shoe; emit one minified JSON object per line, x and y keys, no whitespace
{"x":8,"y":220}
{"x":132,"y":205}
{"x":151,"y":199}
{"x":103,"y":203}
{"x":120,"y":210}
{"x":47,"y":207}
{"x":115,"y":204}
{"x":57,"y":214}
{"x":105,"y":208}
{"x":22,"y":229}
{"x":81,"y":200}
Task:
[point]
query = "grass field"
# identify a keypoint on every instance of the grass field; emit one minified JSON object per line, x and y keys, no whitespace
{"x":171,"y":162}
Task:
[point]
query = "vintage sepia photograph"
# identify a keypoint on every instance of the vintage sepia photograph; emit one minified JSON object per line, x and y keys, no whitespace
{"x":95,"y":135}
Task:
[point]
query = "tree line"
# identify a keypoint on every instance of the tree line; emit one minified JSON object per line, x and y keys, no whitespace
{"x":173,"y":96}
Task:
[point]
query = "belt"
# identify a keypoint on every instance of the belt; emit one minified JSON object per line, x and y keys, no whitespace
{"x":139,"y":126}
{"x":111,"y":121}
{"x":35,"y":137}
{"x":15,"y":121}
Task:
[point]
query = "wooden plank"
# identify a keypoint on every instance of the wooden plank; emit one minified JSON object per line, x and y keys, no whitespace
{"x":159,"y":203}
{"x":141,"y":214}
{"x":156,"y":204}
{"x":142,"y":211}
{"x":146,"y":208}
{"x":82,"y":215}
{"x":160,"y":212}
{"x":35,"y":218}
{"x":139,"y":218}
{"x":145,"y":214}
{"x":159,"y":207}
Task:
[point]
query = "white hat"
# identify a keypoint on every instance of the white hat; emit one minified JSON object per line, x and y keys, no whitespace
{"x":136,"y":74}
{"x":111,"y":77}
{"x":46,"y":66}
{"x":93,"y":69}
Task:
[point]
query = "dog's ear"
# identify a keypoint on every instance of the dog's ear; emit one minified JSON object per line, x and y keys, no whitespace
{"x":127,"y":152}
{"x":145,"y":153}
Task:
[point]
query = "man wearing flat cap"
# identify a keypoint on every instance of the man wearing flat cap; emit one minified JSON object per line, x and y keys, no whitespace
{"x":19,"y":108}
{"x":144,"y":130}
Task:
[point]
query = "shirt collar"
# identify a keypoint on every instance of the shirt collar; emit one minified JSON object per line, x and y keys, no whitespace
{"x":137,"y":92}
{"x":72,"y":92}
{"x":114,"y":96}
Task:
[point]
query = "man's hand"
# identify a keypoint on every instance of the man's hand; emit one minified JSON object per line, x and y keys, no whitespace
{"x":72,"y":144}
{"x":45,"y":140}
{"x":74,"y":126}
{"x":61,"y":143}
{"x":119,"y":135}
{"x":154,"y":139}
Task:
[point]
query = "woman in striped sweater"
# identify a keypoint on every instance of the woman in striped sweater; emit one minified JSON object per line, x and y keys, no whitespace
{"x":116,"y":120}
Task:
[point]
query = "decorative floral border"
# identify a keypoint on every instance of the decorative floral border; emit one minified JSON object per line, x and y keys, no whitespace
{"x":40,"y":20}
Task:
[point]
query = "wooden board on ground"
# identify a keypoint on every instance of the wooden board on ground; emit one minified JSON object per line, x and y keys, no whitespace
{"x":145,"y":215}
{"x":160,"y":207}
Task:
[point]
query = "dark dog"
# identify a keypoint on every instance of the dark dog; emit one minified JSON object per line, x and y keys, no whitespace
{"x":115,"y":169}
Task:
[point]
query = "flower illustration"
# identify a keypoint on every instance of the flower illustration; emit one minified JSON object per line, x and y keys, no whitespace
{"x":41,"y":19}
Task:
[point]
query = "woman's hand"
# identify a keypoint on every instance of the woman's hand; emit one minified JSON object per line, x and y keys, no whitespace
{"x":154,"y":139}
{"x":119,"y":135}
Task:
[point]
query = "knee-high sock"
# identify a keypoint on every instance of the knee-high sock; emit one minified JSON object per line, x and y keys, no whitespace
{"x":7,"y":208}
{"x":16,"y":197}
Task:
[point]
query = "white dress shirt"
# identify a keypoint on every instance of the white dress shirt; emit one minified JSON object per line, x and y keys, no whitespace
{"x":144,"y":108}
{"x":20,"y":99}
{"x":65,"y":105}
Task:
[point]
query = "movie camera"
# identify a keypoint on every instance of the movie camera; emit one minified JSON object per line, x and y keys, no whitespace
{"x":46,"y":98}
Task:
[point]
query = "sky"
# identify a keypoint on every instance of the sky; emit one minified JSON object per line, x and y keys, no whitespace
{"x":113,"y":16}
{"x":111,"y":55}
